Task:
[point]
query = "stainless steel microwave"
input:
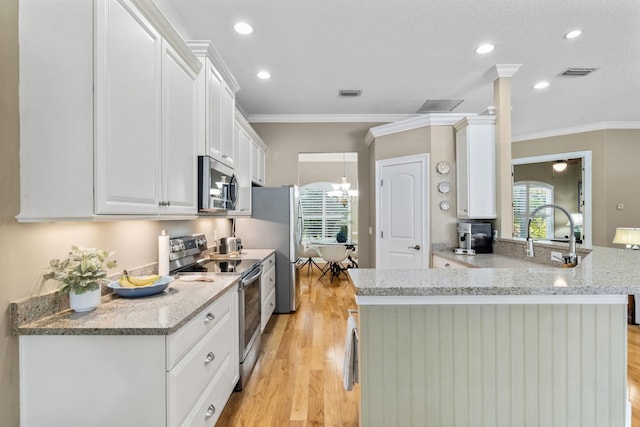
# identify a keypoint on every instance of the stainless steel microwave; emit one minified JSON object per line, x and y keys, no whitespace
{"x":217,"y":186}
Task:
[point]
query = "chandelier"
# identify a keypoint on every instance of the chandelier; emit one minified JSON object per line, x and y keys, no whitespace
{"x":341,"y":191}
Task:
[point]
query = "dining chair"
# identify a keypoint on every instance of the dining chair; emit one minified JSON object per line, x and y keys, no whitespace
{"x":352,"y":255}
{"x":334,"y":255}
{"x":309,"y":252}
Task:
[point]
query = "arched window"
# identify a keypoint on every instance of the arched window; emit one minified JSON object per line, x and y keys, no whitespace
{"x":323,"y":215}
{"x":528,"y":195}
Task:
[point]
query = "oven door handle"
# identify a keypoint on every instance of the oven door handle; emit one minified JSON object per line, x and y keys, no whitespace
{"x":246,"y":280}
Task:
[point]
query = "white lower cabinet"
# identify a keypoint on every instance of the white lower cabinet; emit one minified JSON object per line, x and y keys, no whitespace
{"x":183,"y":379}
{"x":268,"y":289}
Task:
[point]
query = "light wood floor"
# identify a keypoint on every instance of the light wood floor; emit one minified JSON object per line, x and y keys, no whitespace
{"x":633,"y":372}
{"x":298,"y":378}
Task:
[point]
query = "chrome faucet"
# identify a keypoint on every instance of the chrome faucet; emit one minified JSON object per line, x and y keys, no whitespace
{"x":571,"y":257}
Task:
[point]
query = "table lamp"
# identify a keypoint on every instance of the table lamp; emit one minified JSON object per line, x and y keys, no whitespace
{"x":630,"y":237}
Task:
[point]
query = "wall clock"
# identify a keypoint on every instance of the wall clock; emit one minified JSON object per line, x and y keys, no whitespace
{"x":443,"y":168}
{"x":444,"y":187}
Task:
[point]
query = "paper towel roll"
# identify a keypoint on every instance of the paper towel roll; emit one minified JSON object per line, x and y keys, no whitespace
{"x":163,"y":254}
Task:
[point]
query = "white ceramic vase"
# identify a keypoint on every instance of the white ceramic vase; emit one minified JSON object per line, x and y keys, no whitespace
{"x":87,"y":301}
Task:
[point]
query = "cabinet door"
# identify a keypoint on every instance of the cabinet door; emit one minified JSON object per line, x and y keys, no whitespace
{"x":257,"y":163}
{"x":243,"y":172}
{"x":462,"y":176}
{"x":229,"y":148}
{"x":213,"y":124}
{"x":476,"y":174}
{"x":179,"y":94}
{"x":127,"y":110}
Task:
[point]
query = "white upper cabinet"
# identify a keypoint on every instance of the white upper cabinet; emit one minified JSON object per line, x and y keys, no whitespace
{"x":476,"y":167}
{"x":247,"y":141}
{"x":108,"y":128}
{"x":179,"y":164}
{"x":258,"y":160}
{"x":216,"y":106}
{"x":128,"y":110}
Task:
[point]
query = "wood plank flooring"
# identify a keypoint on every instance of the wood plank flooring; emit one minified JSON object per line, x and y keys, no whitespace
{"x":298,"y":378}
{"x":633,"y":372}
{"x":297,"y":381}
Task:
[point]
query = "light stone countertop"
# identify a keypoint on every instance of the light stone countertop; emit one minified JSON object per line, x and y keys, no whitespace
{"x":484,"y":260}
{"x":160,"y":314}
{"x":606,"y":271}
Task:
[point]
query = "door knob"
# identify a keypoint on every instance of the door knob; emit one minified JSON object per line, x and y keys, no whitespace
{"x":416,"y":247}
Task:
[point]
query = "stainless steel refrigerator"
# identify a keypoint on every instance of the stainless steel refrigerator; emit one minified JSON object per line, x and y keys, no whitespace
{"x":276,"y":222}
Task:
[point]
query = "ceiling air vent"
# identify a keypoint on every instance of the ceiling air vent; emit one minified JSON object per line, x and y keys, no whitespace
{"x":349,"y":93}
{"x":576,"y":72}
{"x":439,"y":105}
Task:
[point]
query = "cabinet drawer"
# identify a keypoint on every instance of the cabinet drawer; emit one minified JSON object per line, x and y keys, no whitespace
{"x":179,"y":344}
{"x":439,"y":262}
{"x":268,"y":306}
{"x":210,"y":405}
{"x":190,"y":377}
{"x":269,"y":262}
{"x":268,"y":281}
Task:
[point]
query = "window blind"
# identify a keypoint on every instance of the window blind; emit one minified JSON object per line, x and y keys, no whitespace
{"x":323,"y":215}
{"x":527,"y":196}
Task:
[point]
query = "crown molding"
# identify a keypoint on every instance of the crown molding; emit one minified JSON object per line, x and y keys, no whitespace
{"x":205,"y":48}
{"x":577,"y":129}
{"x":423,"y":120}
{"x":327,"y":118}
{"x":503,"y":70}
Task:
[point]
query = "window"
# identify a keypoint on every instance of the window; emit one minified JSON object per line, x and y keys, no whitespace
{"x":527,"y":196}
{"x":323,"y":215}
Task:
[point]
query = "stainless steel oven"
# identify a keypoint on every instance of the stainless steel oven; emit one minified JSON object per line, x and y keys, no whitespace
{"x":250,"y":313}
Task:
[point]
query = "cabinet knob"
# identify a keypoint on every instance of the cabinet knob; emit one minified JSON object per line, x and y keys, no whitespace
{"x":416,"y":247}
{"x":209,"y":317}
{"x":447,"y":265}
{"x":210,"y":411}
{"x":210,"y":358}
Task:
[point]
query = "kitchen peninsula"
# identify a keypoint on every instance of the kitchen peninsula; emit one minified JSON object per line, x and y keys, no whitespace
{"x":534,"y":345}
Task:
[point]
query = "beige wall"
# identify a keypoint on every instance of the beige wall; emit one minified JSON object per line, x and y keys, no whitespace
{"x":285,"y":141}
{"x":27,"y":248}
{"x":615,"y":174}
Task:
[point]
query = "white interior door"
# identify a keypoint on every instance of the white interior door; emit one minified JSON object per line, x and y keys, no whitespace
{"x":402,"y":212}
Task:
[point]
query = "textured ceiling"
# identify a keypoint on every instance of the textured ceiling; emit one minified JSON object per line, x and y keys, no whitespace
{"x":402,"y":53}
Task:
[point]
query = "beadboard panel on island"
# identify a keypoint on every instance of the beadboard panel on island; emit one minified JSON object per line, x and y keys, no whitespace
{"x":493,"y":365}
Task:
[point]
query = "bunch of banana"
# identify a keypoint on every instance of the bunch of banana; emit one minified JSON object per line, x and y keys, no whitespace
{"x":127,"y":281}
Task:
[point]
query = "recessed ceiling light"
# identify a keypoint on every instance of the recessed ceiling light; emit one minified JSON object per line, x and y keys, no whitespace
{"x":264,"y":75}
{"x":572,"y":34}
{"x":541,"y":85}
{"x":243,"y":28}
{"x":485,"y":48}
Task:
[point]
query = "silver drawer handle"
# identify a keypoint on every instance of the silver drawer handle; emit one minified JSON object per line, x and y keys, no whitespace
{"x":210,"y":411}
{"x":416,"y":247}
{"x":210,"y":358}
{"x":209,"y":317}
